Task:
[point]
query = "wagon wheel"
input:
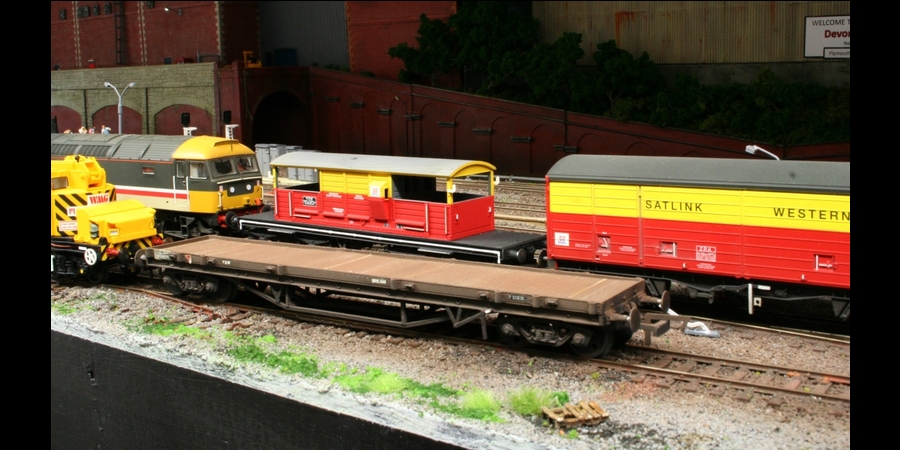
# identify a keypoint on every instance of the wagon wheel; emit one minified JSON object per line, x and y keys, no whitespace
{"x":598,"y":345}
{"x":225,"y":292}
{"x":98,"y":273}
{"x":173,"y":281}
{"x":509,"y":333}
{"x":129,"y":273}
{"x":621,"y":335}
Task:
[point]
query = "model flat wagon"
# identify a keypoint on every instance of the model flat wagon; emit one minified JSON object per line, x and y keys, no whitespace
{"x":529,"y":306}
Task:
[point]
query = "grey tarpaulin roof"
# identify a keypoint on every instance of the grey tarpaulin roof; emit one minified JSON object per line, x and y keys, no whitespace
{"x":755,"y":174}
{"x":117,"y":146}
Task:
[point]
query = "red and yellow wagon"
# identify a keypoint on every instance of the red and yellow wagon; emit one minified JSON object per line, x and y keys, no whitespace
{"x":762,"y":228}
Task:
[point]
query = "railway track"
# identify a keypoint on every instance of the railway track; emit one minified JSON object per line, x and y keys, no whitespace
{"x":738,"y":379}
{"x":687,"y":372}
{"x":508,"y":185}
{"x":521,"y":208}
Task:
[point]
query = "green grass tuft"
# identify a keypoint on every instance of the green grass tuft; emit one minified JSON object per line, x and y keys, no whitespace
{"x":355,"y":381}
{"x":528,"y":401}
{"x":561,"y":397}
{"x":479,"y":404}
{"x":62,"y":309}
{"x":248,"y":350}
{"x":376,"y":380}
{"x":431,"y":391}
{"x":172,"y":329}
{"x":388,"y":383}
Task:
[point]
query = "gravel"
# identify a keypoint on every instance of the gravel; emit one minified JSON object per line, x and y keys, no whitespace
{"x":641,"y":414}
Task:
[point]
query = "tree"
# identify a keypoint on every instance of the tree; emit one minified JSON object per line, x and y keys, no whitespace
{"x":493,"y":41}
{"x":682,"y":106}
{"x":436,"y":55}
{"x":551,"y":70}
{"x":620,"y":75}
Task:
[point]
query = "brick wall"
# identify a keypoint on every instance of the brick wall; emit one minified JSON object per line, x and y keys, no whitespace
{"x":213,"y":30}
{"x":160,"y":94}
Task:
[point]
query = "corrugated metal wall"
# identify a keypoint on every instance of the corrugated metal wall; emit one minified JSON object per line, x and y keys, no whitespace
{"x":318,"y":30}
{"x":688,"y":32}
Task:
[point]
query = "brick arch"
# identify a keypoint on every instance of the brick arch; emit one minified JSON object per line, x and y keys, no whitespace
{"x":400,"y":141}
{"x":68,"y":103}
{"x":282,"y":90}
{"x":542,"y":156}
{"x":502,"y":148}
{"x":164,"y":103}
{"x":167,"y":120}
{"x":351,"y":120}
{"x":464,"y":144}
{"x":281,"y":117}
{"x":66,"y":118}
{"x":377,"y":134}
{"x":641,"y":149}
{"x":591,"y":144}
{"x":107,"y":113}
{"x":427,"y":135}
{"x":109,"y":116}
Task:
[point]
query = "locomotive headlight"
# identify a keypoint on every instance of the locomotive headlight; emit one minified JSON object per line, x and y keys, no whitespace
{"x":249,"y":187}
{"x":231,"y":190}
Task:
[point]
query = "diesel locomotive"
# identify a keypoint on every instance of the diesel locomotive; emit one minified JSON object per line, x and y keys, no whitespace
{"x":197,"y":184}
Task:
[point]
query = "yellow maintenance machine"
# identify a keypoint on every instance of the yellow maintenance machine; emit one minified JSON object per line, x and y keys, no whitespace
{"x":89,"y":231}
{"x":250,"y":61}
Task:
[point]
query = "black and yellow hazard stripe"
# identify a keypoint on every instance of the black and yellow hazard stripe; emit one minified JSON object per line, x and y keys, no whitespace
{"x":62,"y":203}
{"x":141,"y":244}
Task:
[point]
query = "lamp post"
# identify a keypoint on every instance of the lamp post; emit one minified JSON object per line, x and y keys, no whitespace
{"x":752,"y":149}
{"x":109,"y":85}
